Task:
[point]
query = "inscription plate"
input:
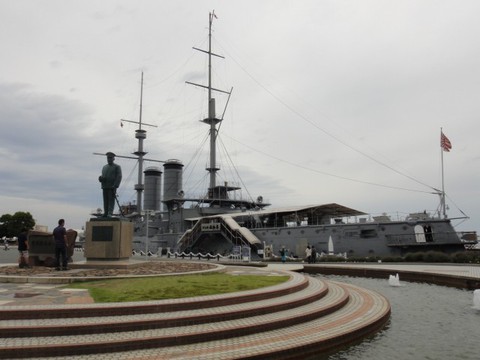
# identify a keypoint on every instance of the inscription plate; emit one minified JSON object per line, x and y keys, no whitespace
{"x":41,"y":244}
{"x":102,"y":233}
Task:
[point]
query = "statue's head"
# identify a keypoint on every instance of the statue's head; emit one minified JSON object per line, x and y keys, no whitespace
{"x":110,"y":157}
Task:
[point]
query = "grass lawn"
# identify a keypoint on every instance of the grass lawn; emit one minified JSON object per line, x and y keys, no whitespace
{"x":171,"y":287}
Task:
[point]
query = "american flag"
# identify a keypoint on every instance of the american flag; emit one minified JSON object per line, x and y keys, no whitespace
{"x":445,"y":144}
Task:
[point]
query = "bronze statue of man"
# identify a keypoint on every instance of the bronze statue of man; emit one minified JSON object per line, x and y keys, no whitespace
{"x":110,"y":179}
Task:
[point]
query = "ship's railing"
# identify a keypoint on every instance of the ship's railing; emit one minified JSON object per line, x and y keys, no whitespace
{"x":402,"y":239}
{"x":200,"y":256}
{"x":433,"y":238}
{"x":331,"y":220}
{"x":183,"y":255}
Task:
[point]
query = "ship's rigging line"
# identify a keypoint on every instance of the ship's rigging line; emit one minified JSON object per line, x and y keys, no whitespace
{"x":325,"y":173}
{"x":192,"y":164}
{"x":312,"y":123}
{"x":291,"y":109}
{"x":453,"y":202}
{"x":128,"y":180}
{"x":236,"y":171}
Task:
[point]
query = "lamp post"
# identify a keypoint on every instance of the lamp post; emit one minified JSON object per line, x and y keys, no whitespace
{"x":147,"y":213}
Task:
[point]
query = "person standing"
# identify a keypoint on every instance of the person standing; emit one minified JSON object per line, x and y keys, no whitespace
{"x":314,"y":255}
{"x":308,"y":254}
{"x":283,"y":254}
{"x":110,"y":180}
{"x":22,"y":249}
{"x":60,"y":237}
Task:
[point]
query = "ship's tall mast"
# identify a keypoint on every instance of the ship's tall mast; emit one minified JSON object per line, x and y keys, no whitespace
{"x":141,"y":135}
{"x":211,"y":120}
{"x":211,"y":112}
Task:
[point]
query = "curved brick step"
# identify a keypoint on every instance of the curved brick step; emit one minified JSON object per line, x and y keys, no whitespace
{"x":296,"y":283}
{"x":127,"y":322}
{"x":343,"y":315}
{"x":366,"y":313}
{"x":162,"y":337}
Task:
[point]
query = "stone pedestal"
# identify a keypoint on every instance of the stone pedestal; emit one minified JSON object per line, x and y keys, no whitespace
{"x":108,"y":239}
{"x":41,"y":247}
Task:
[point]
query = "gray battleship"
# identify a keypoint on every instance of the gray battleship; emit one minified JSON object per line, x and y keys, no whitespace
{"x":221,"y":222}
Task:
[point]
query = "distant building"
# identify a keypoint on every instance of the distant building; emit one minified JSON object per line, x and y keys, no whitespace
{"x":42,"y":228}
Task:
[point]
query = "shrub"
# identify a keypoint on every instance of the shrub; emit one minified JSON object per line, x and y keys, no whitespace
{"x":392,"y":259}
{"x":414,"y":257}
{"x":436,"y":257}
{"x":331,"y":258}
{"x":460,"y":257}
{"x":467,"y":257}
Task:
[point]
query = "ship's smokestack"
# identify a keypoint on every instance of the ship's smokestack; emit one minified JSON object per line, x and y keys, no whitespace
{"x":153,"y":181}
{"x":173,"y":183}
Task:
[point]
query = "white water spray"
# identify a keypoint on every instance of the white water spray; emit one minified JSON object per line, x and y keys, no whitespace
{"x":476,"y":299}
{"x":394,"y":280}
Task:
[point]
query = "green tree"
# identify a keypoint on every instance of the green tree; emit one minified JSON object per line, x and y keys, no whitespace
{"x":12,"y":225}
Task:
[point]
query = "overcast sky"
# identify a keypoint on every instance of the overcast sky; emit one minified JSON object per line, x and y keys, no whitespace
{"x":333,"y":101}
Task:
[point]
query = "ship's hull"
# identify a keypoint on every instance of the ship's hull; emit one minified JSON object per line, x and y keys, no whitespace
{"x":363,"y":240}
{"x":351,"y":240}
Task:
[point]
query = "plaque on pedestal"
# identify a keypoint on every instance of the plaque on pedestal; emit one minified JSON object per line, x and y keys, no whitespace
{"x":108,"y":239}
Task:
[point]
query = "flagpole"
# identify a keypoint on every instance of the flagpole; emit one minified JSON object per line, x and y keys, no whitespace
{"x":444,"y":210}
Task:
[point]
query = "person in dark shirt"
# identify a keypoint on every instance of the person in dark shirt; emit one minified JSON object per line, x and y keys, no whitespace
{"x":60,"y":237}
{"x":314,"y":255}
{"x":23,"y":249}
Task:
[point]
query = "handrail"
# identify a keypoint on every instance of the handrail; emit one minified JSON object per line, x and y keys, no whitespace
{"x":188,"y":236}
